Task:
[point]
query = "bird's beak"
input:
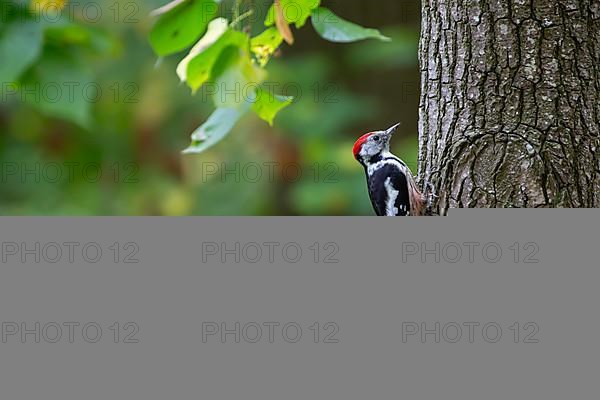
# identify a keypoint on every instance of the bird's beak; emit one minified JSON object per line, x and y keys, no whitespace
{"x":392,"y":130}
{"x":388,"y":134}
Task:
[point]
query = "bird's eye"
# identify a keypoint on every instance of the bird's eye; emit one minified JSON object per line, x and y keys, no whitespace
{"x":376,"y":138}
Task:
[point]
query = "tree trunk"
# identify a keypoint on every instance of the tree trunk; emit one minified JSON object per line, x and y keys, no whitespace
{"x":510,"y":103}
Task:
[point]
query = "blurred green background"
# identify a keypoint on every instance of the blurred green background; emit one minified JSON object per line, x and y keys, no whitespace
{"x":142,"y":120}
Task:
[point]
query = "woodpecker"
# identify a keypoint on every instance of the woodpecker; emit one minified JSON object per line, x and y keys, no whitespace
{"x":391,"y":185}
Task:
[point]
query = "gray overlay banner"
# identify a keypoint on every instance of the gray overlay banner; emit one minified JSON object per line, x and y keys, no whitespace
{"x":478,"y":305}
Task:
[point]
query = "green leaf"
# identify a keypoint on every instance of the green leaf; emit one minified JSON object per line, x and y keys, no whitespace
{"x":335,"y":29}
{"x":264,"y":45}
{"x":267,"y":105}
{"x":20,"y":46}
{"x":180,"y":24}
{"x":294,"y":11}
{"x":235,"y":77}
{"x":200,"y":68}
{"x":61,"y":87}
{"x":218,"y":125}
{"x":216,"y":28}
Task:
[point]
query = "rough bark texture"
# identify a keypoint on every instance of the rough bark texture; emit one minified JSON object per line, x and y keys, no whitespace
{"x":510,"y":103}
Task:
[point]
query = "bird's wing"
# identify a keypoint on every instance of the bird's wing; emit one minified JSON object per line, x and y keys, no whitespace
{"x":388,"y":191}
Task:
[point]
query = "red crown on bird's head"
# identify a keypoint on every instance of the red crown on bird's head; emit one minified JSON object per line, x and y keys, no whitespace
{"x":358,"y":144}
{"x":361,"y":140}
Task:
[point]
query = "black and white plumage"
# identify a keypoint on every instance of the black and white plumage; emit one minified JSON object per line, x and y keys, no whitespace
{"x":390,"y":182}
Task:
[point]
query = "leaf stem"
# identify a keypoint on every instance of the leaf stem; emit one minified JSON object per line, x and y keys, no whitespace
{"x":242,"y":17}
{"x":236,"y":9}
